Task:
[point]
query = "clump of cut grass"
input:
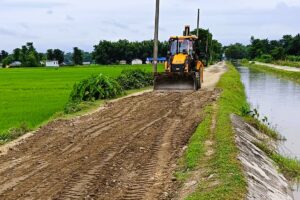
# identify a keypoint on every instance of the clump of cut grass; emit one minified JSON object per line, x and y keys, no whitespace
{"x":135,"y":79}
{"x":103,"y":87}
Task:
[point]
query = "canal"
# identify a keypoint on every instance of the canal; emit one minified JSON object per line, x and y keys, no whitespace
{"x":279,"y":100}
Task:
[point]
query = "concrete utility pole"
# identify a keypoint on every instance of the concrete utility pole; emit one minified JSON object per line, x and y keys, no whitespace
{"x":155,"y":50}
{"x":198,"y":23}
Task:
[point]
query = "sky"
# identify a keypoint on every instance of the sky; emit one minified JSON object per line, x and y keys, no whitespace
{"x":65,"y":24}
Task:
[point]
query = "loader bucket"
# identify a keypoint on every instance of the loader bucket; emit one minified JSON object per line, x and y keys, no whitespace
{"x":174,"y":81}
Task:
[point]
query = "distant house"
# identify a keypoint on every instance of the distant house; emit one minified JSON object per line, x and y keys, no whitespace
{"x":86,"y":63}
{"x":159,"y":60}
{"x":15,"y":64}
{"x":136,"y":62}
{"x":53,"y":63}
{"x":123,"y":62}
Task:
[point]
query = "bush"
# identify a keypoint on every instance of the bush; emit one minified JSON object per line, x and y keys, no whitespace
{"x":94,"y":88}
{"x":266,"y":58}
{"x":135,"y":79}
{"x":293,"y":58}
{"x":244,"y":60}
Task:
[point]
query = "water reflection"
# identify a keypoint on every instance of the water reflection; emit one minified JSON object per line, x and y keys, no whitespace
{"x":279,"y":100}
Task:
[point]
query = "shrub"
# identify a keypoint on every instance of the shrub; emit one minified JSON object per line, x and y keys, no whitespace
{"x":267,"y":58}
{"x":244,"y":60}
{"x":94,"y":88}
{"x":293,"y":58}
{"x":135,"y":79}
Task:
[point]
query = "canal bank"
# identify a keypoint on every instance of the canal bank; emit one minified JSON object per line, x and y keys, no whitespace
{"x":279,"y":100}
{"x":213,"y":164}
{"x":278,"y":72}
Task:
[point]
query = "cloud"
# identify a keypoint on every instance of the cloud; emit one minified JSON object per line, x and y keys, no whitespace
{"x":49,"y":12}
{"x":16,"y":34}
{"x":24,"y":26}
{"x":30,"y":4}
{"x":69,"y":18}
{"x":7,"y":32}
{"x":115,"y":24}
{"x":48,"y":22}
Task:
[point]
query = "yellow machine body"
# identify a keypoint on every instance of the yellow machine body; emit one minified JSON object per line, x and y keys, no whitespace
{"x":183,"y":69}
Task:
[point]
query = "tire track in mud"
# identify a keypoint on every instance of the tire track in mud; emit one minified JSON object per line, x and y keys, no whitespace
{"x":127,"y":150}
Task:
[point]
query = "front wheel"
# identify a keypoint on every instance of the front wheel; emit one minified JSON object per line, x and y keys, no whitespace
{"x":197,"y":81}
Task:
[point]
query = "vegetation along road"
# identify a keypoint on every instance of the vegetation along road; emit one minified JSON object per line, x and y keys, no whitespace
{"x":118,"y":152}
{"x":286,"y":68}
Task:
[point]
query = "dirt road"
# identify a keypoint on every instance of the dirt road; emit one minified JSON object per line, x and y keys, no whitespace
{"x":126,"y":150}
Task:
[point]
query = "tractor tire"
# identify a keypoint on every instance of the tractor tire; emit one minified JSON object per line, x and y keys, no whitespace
{"x":197,"y":81}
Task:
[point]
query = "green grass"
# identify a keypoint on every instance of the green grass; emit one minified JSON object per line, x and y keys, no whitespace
{"x":196,"y":149}
{"x":289,"y":167}
{"x":287,"y":63}
{"x":32,"y":95}
{"x":294,"y":76}
{"x":264,"y":128}
{"x":224,"y":164}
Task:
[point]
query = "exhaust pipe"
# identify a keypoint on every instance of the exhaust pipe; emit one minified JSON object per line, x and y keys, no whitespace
{"x":187,"y":31}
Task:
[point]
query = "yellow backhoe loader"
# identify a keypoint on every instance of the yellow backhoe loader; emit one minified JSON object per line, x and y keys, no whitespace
{"x":183,"y":69}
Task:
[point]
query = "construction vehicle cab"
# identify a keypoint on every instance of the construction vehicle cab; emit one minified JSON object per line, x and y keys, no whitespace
{"x":183,"y":69}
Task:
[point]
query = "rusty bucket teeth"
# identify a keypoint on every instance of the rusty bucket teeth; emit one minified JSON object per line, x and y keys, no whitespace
{"x":172,"y":81}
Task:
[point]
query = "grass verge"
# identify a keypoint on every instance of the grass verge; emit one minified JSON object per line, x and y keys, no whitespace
{"x":263,"y":128}
{"x":294,"y":76}
{"x":287,"y":63}
{"x":289,"y":167}
{"x":224,"y":164}
{"x":14,"y":133}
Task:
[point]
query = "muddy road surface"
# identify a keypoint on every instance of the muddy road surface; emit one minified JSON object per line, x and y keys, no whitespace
{"x":126,"y":150}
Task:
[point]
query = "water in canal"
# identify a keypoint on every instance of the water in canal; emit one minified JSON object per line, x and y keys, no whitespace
{"x":279,"y":100}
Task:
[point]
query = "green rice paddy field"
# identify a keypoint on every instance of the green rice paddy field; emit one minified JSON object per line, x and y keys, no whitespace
{"x":32,"y":95}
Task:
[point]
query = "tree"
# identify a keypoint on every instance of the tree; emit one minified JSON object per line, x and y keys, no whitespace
{"x":17,"y":54}
{"x":50,"y":54}
{"x":31,"y":60}
{"x":203,"y":47}
{"x":59,"y":55}
{"x":278,"y":53}
{"x":3,"y":55}
{"x":107,"y":52}
{"x":68,"y":58}
{"x":236,"y":51}
{"x":27,"y":55}
{"x":87,"y":57}
{"x":77,"y":56}
{"x":7,"y":61}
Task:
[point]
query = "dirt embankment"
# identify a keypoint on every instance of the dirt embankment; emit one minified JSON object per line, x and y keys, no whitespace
{"x":126,"y":150}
